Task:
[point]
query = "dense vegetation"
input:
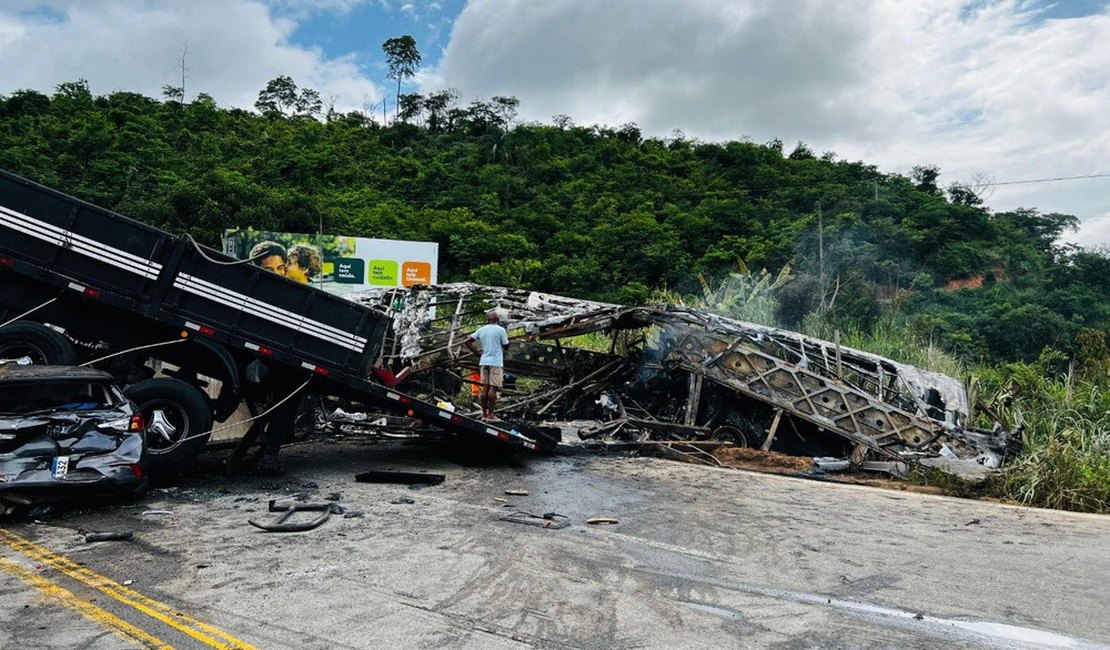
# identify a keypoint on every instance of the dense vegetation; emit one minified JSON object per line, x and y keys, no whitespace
{"x":595,"y":212}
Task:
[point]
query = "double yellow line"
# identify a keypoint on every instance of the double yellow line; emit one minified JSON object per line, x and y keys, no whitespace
{"x":185,"y":624}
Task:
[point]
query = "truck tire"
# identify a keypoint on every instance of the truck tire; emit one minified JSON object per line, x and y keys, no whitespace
{"x":43,"y":345}
{"x":179,"y":421}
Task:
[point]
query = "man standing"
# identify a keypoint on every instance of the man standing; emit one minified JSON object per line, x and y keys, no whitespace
{"x":493,"y":340}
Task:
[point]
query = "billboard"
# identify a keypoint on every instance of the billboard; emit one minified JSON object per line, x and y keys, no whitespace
{"x":335,"y":263}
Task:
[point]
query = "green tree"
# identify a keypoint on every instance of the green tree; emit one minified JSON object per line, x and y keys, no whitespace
{"x":402,"y":57}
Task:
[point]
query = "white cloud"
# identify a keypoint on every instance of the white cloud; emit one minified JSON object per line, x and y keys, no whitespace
{"x":974,"y":87}
{"x":234,"y":48}
{"x":1094,"y":229}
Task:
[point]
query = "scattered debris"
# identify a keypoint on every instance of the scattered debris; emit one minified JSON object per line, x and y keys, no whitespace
{"x":973,"y":522}
{"x":403,"y":501}
{"x":156,"y":513}
{"x":670,"y":373}
{"x":517,"y":493}
{"x":411,"y":478}
{"x":602,"y":521}
{"x":552,"y":520}
{"x":282,"y":523}
{"x":120,"y":536}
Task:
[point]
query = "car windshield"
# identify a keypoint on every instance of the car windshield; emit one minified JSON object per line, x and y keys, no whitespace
{"x":33,"y":397}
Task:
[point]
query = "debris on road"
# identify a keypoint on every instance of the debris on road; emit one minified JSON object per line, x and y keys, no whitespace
{"x":602,"y":521}
{"x":666,"y":373}
{"x":517,"y":493}
{"x":551,"y":520}
{"x":282,"y":523}
{"x":411,"y":478}
{"x":120,"y":536}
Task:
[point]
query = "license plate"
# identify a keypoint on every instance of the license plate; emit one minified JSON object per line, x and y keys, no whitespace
{"x":59,"y":467}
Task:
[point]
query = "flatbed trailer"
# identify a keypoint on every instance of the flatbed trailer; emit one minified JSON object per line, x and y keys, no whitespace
{"x":133,"y":293}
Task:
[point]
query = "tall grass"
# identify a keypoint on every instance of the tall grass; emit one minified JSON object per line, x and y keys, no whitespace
{"x":1065,"y":422}
{"x":892,"y":341}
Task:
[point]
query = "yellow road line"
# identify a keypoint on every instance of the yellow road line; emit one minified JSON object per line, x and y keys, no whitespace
{"x":206,"y":634}
{"x":118,"y":626}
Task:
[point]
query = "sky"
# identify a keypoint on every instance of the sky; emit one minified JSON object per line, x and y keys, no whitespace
{"x":1003,"y":90}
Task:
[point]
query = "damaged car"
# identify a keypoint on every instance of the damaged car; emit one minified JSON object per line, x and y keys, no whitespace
{"x":66,"y":432}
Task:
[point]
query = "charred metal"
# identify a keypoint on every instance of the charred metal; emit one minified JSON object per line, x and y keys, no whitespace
{"x":672,"y":373}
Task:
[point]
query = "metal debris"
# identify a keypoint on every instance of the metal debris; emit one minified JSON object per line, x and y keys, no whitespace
{"x":282,"y":523}
{"x":670,"y":373}
{"x":551,"y":520}
{"x":410,"y":478}
{"x":120,"y":536}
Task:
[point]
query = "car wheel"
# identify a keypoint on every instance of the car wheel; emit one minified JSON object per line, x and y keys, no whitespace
{"x":43,"y":345}
{"x":178,"y":422}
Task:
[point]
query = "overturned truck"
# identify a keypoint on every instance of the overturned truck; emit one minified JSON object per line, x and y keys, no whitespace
{"x":669,"y":372}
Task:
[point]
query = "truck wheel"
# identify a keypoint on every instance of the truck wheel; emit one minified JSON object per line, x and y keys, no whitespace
{"x":178,"y":422}
{"x":43,"y":345}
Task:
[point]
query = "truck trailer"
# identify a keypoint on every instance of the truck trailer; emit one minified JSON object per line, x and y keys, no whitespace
{"x":173,"y":320}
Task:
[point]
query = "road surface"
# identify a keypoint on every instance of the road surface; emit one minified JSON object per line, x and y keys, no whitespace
{"x":701,"y":558}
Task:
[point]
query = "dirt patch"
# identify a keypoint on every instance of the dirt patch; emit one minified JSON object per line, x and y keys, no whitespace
{"x":762,"y":461}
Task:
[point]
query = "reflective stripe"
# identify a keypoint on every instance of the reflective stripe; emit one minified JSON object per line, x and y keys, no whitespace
{"x":301,"y":325}
{"x":261,"y":309}
{"x":79,"y":243}
{"x":149,"y":269}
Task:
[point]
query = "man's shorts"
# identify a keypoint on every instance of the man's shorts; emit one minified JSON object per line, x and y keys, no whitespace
{"x":493,"y":376}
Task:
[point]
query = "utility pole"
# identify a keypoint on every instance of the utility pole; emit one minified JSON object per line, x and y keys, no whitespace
{"x":876,"y":182}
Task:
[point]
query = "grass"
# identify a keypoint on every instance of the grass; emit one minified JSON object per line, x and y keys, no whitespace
{"x":1065,"y":462}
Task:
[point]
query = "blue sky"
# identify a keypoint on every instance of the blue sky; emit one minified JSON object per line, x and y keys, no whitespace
{"x":362,"y":29}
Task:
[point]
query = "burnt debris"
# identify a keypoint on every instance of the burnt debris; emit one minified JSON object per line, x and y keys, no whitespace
{"x":672,"y":373}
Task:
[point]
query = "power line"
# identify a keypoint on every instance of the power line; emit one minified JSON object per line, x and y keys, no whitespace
{"x":1050,"y":180}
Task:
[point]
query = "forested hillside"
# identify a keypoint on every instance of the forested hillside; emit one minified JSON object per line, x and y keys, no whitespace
{"x":593,"y":212}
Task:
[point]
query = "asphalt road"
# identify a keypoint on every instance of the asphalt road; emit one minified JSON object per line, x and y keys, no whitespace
{"x":701,"y":558}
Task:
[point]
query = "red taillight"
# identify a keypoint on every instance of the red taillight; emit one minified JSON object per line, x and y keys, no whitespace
{"x":137,"y":423}
{"x":262,"y":349}
{"x":205,"y":330}
{"x":502,"y":435}
{"x":320,"y":370}
{"x":138,"y":470}
{"x":92,"y":293}
{"x":7,"y":262}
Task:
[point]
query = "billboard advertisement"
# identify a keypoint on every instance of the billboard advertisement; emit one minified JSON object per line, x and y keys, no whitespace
{"x":335,"y":263}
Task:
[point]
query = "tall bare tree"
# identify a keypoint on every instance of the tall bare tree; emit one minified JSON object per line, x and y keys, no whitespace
{"x":402,"y":57}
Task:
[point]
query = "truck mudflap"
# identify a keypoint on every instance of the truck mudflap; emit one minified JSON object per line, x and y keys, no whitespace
{"x":506,"y":433}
